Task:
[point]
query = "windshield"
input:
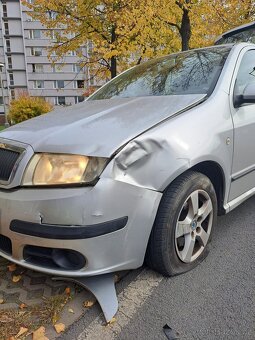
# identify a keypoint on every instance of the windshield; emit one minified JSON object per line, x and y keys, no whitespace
{"x":191,"y":72}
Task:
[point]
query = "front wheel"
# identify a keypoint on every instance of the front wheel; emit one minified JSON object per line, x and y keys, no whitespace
{"x":183,"y":226}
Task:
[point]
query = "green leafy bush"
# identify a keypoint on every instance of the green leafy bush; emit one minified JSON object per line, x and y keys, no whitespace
{"x":26,"y":107}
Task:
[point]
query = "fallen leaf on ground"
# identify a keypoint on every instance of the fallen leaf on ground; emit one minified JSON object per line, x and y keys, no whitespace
{"x":22,"y":312}
{"x":39,"y":334}
{"x":1,"y":301}
{"x":59,"y":327}
{"x":111,"y":321}
{"x":12,"y":267}
{"x":5,"y":318}
{"x":88,"y":303}
{"x":68,"y":290}
{"x":70,"y":310}
{"x":11,"y":338}
{"x":55,"y":318}
{"x":16,"y":278}
{"x":22,"y":306}
{"x":22,"y":331}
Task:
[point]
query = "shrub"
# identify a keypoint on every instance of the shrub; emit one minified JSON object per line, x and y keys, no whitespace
{"x":26,"y":107}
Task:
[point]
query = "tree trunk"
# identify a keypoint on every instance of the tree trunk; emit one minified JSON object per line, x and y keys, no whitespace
{"x":113,"y":67}
{"x":113,"y":64}
{"x":185,"y":30}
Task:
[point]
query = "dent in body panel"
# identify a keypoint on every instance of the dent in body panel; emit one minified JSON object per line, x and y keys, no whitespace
{"x":143,"y":163}
{"x":154,"y":159}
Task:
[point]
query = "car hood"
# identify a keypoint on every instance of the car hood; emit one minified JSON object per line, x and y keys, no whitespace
{"x":100,"y":127}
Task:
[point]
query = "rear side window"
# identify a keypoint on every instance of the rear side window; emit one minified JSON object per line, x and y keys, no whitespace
{"x":246,"y":72}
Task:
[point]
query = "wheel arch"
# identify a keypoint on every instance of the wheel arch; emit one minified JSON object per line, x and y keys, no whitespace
{"x":215,"y":173}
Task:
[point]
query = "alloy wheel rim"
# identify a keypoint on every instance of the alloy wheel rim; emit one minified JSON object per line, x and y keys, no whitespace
{"x":194,"y":225}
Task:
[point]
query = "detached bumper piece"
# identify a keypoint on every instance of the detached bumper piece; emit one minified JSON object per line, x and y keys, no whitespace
{"x":58,"y":232}
{"x":103,"y":288}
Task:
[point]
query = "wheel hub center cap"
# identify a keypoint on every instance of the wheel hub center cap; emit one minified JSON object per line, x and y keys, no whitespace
{"x":193,"y":224}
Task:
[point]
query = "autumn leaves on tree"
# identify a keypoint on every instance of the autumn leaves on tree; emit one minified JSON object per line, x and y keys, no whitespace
{"x":124,"y":32}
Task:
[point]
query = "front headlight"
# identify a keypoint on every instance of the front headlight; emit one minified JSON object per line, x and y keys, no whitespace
{"x":62,"y":169}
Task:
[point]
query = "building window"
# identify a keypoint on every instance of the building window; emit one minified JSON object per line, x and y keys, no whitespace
{"x":73,"y":53}
{"x":79,"y":84}
{"x":56,"y":68}
{"x":4,"y":10}
{"x":37,"y":68}
{"x":29,"y":18}
{"x":30,"y":1}
{"x":36,"y":51}
{"x":11,"y":79}
{"x":79,"y":99}
{"x":38,"y":84}
{"x":59,"y":84}
{"x":1,"y":101}
{"x":12,"y":94}
{"x":77,"y":68}
{"x":52,"y":15}
{"x":34,"y":34}
{"x":9,"y":59}
{"x":60,"y":100}
{"x":8,"y":45}
{"x":53,"y":34}
{"x":6,"y":28}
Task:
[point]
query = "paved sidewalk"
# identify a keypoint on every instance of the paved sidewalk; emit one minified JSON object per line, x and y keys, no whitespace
{"x":30,"y":289}
{"x":33,"y":288}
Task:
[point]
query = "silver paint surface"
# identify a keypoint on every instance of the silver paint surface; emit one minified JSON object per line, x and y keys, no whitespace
{"x":103,"y":288}
{"x":97,"y":128}
{"x":153,"y":140}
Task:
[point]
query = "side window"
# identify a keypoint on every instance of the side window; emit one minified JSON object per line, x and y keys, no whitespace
{"x":246,"y":72}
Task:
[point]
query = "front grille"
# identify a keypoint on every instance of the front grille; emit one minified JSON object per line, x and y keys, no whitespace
{"x":8,"y":158}
{"x":5,"y":244}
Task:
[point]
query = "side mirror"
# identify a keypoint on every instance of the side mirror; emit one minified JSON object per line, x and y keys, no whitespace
{"x":248,"y":96}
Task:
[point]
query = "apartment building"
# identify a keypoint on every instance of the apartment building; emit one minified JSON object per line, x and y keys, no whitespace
{"x":24,"y":52}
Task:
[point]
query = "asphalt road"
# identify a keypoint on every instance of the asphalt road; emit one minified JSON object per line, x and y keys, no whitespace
{"x":214,"y":301}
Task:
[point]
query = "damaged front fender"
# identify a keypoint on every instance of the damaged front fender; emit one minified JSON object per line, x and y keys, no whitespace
{"x":148,"y":162}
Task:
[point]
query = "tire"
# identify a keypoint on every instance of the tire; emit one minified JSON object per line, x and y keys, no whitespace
{"x":181,"y":223}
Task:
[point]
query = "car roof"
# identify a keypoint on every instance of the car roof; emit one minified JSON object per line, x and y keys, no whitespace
{"x":236,"y":30}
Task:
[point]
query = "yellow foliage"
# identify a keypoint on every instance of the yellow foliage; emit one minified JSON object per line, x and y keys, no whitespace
{"x":26,"y":107}
{"x":125,"y":32}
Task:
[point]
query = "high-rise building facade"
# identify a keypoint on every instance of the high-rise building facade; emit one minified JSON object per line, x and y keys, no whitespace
{"x":24,"y":45}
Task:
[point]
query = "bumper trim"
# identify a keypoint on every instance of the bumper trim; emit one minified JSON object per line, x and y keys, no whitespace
{"x":53,"y":231}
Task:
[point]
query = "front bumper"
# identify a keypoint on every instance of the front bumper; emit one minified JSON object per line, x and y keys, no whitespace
{"x":87,"y":207}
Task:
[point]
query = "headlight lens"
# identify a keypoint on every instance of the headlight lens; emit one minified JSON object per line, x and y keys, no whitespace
{"x":62,"y":169}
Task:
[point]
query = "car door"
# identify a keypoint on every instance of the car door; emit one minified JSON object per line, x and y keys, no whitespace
{"x":243,"y":167}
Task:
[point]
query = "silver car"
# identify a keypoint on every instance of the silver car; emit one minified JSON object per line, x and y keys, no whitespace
{"x":138,"y":172}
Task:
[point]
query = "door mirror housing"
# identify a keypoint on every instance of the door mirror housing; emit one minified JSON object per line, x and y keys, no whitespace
{"x":248,"y":96}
